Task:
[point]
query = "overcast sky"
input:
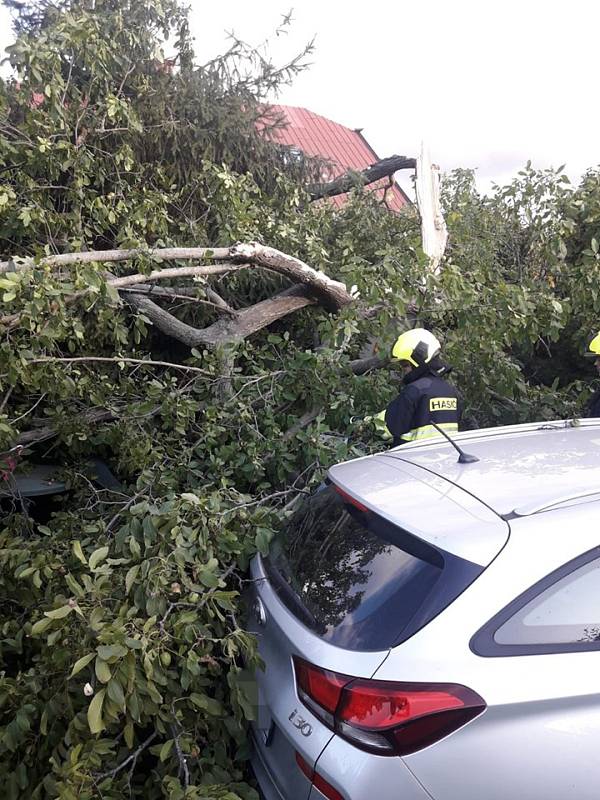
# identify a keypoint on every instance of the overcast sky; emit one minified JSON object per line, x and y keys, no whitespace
{"x":487,"y":85}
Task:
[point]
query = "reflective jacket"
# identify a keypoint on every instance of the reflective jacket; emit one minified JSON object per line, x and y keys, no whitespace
{"x":426,"y":398}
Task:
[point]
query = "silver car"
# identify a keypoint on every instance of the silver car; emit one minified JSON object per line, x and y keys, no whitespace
{"x":431,"y":628}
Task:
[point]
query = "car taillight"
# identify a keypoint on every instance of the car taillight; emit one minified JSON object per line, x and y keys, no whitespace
{"x":318,"y":781}
{"x":385,"y":717}
{"x":319,"y":687}
{"x":347,"y":498}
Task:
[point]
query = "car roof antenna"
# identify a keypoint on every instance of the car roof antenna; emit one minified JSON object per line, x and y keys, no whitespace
{"x":463,"y":458}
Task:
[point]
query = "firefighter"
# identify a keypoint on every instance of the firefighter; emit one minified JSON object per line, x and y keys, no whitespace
{"x":426,"y":397}
{"x":593,"y":407}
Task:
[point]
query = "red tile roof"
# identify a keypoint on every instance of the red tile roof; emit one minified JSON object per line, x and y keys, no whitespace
{"x":343,"y":147}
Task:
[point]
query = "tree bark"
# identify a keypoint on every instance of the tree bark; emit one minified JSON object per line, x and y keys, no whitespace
{"x":247,"y":321}
{"x":362,"y":365}
{"x":381,"y":169}
{"x":333,"y":295}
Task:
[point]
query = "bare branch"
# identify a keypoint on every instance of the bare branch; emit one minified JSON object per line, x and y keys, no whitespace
{"x":105,"y":256}
{"x":175,"y":272}
{"x":216,"y":298}
{"x":183,"y":767}
{"x":6,"y":398}
{"x":133,"y":757}
{"x":12,"y":320}
{"x":185,"y":293}
{"x":332,"y":294}
{"x":329,"y":293}
{"x":124,"y":508}
{"x":116,"y":360}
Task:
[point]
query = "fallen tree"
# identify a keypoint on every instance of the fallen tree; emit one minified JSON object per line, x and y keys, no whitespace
{"x":217,"y":383}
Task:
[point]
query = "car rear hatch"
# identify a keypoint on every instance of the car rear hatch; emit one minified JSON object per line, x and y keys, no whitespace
{"x":358,"y":569}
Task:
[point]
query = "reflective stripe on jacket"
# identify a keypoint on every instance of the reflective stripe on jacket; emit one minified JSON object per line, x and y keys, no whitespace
{"x":426,"y":398}
{"x":427,"y":431}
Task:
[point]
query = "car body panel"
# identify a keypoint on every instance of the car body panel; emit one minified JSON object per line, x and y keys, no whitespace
{"x":38,"y":481}
{"x":362,"y":776}
{"x":428,"y":506}
{"x":280,"y":637}
{"x":518,"y":465}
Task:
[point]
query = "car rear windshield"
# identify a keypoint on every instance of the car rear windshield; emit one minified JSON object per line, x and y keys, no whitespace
{"x":357,"y":580}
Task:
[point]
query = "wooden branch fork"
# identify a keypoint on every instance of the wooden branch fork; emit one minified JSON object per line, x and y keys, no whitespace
{"x":310,"y":287}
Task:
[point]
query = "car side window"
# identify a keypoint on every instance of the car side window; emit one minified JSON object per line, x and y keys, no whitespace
{"x":561,"y":613}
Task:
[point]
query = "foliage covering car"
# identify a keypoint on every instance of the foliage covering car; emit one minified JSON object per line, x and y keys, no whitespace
{"x":122,"y":655}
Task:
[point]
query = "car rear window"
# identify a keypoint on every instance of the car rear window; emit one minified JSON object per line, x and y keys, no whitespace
{"x":357,"y":580}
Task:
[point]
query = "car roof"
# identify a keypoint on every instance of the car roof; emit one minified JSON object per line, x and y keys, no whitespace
{"x":521,"y":468}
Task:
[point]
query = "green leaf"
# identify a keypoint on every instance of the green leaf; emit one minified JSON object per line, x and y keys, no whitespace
{"x":130,"y":577}
{"x":79,"y":552}
{"x":208,"y":578}
{"x":139,"y":508}
{"x":73,"y":585}
{"x":263,"y":540}
{"x":40,"y":626}
{"x":59,"y":613}
{"x":128,"y":734}
{"x":115,"y":692}
{"x":98,"y":556}
{"x":94,"y":714}
{"x":111,"y":652}
{"x":81,"y":663}
{"x":191,"y":498}
{"x":26,"y":573}
{"x":103,"y":672}
{"x":165,"y":750}
{"x":207,"y":703}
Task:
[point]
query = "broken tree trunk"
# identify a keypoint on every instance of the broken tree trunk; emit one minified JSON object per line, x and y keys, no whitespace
{"x":381,"y":169}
